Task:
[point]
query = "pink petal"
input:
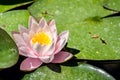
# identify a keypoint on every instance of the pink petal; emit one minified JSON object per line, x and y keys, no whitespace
{"x":26,"y":51}
{"x":53,"y":29}
{"x":62,"y":57}
{"x":43,"y":23}
{"x":24,"y":48}
{"x":22,"y":29}
{"x":62,"y":39}
{"x":26,"y":38}
{"x":34,"y":27}
{"x":18,"y":39}
{"x":30,"y":64}
{"x":31,"y":21}
{"x":52,"y":26}
{"x":44,"y":50}
{"x":31,"y":33}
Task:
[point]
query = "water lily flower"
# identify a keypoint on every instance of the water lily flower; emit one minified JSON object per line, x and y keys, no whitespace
{"x":41,"y":44}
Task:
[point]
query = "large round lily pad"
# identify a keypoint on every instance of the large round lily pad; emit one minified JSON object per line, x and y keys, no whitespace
{"x":81,"y":72}
{"x":96,"y":37}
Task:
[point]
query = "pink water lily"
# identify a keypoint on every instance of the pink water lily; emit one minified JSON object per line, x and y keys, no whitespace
{"x":41,"y":44}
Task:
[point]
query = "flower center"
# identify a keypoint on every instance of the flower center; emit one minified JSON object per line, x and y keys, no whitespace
{"x":42,"y":38}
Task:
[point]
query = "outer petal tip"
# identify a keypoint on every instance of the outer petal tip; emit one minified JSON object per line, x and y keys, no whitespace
{"x":66,"y":33}
{"x":68,"y":57}
{"x":31,"y":21}
{"x":52,"y":22}
{"x":42,"y":22}
{"x":22,"y":29}
{"x":52,"y":26}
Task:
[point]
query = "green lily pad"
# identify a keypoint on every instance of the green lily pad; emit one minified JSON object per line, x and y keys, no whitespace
{"x":10,"y":20}
{"x":96,"y":38}
{"x":99,"y":41}
{"x":81,"y":72}
{"x":113,"y":4}
{"x":7,"y":5}
{"x":8,"y":50}
{"x":69,"y":11}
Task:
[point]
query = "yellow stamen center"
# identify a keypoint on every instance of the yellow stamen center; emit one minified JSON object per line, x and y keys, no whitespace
{"x":42,"y":38}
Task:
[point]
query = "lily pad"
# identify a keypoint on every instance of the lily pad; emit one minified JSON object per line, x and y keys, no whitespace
{"x":69,"y":11}
{"x":8,"y":50}
{"x":10,"y":20}
{"x":7,"y":5}
{"x":112,"y":4}
{"x":96,"y":37}
{"x":81,"y":72}
{"x":99,"y":41}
